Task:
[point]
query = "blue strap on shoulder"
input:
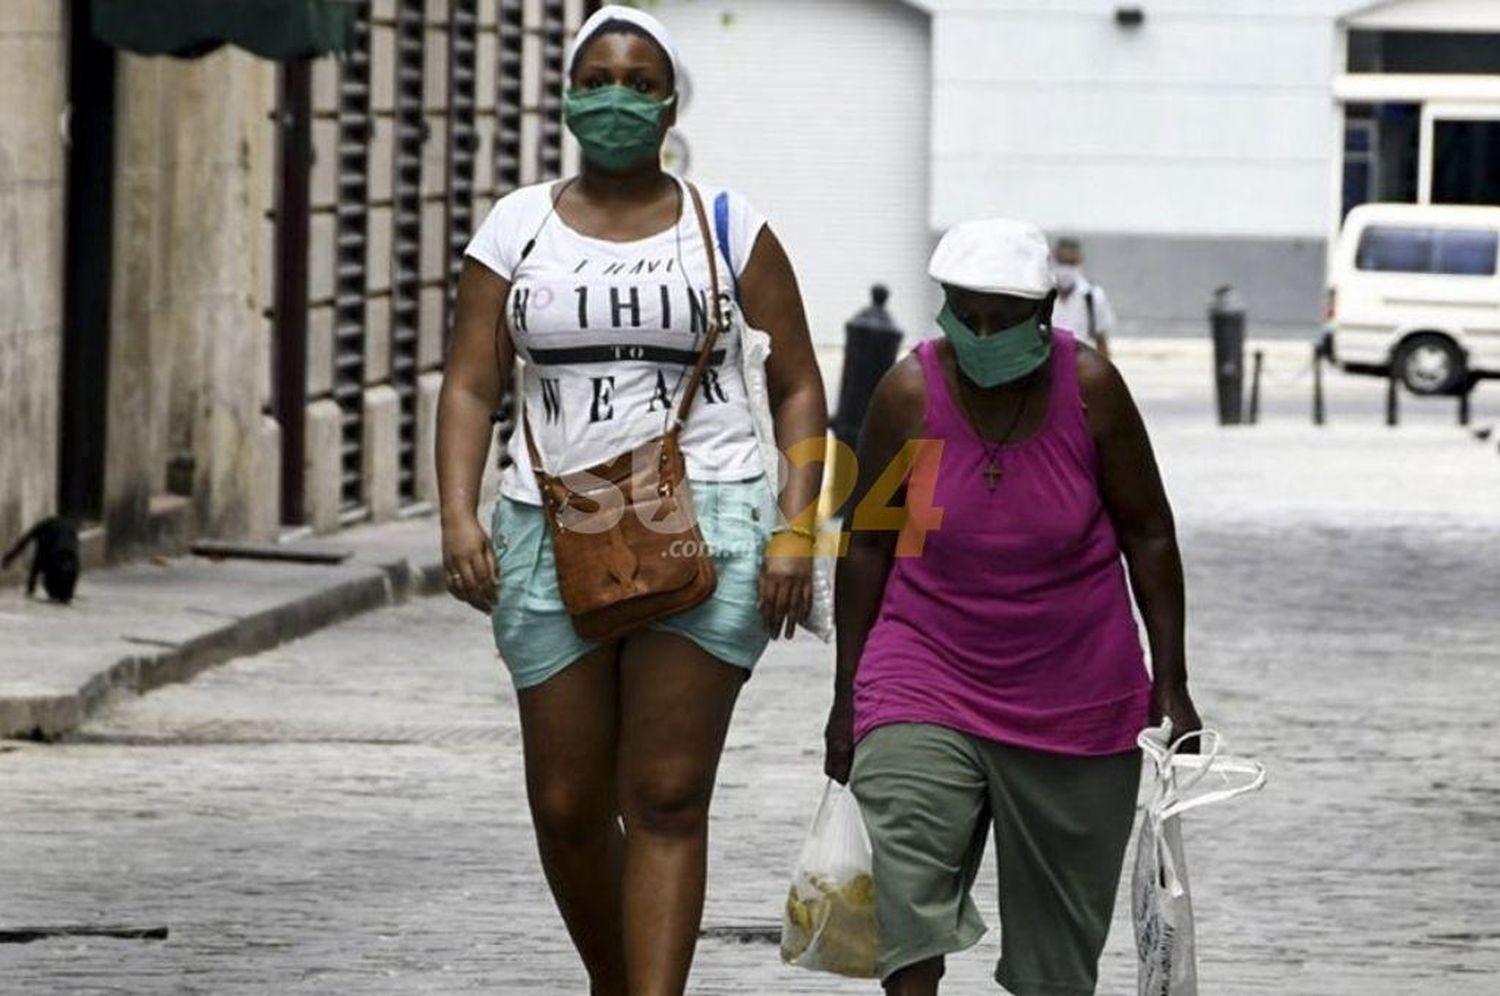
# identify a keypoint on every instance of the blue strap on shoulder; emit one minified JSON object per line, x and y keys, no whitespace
{"x":721,"y":229}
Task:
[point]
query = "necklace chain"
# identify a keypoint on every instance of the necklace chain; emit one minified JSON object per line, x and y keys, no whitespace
{"x":992,"y":449}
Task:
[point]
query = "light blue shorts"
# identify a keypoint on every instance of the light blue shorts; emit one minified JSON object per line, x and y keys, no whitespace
{"x":535,"y":634}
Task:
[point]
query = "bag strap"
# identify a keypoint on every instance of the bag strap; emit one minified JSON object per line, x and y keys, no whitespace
{"x":721,"y":228}
{"x":1168,"y":758}
{"x":1223,"y":767}
{"x":714,"y":314}
{"x":700,"y":368}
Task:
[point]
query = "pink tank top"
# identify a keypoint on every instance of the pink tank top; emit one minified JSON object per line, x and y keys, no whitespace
{"x":1015,"y":623}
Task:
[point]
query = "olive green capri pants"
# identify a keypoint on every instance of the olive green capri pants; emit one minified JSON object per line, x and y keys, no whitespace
{"x":929,"y":796}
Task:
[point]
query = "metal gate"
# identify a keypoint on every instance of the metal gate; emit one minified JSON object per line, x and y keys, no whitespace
{"x":351,"y":236}
{"x":406,"y":235}
{"x":463,"y":145}
{"x":554,"y":31}
{"x":508,"y":100}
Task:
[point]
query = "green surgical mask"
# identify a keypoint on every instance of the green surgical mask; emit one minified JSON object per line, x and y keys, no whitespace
{"x":617,"y":126}
{"x":999,"y":358}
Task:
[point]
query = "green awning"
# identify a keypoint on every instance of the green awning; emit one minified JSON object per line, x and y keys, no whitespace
{"x":275,"y":29}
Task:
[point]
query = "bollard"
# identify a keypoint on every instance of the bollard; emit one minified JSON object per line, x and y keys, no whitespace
{"x":871,"y":340}
{"x":1226,"y":316}
{"x":1260,"y":357}
{"x":1463,"y":404}
{"x":1393,"y":399}
{"x":1320,"y":414}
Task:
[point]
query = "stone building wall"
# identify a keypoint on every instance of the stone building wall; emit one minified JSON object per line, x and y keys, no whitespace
{"x":33,"y":176}
{"x":191,"y":446}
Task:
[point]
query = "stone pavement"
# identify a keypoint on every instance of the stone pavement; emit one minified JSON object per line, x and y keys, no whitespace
{"x":345,"y":813}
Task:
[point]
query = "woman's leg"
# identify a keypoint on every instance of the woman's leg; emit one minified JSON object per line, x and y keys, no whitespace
{"x":1062,"y":825}
{"x":920,"y":979}
{"x":569,"y":726}
{"x":676,"y":701}
{"x":922,"y":792}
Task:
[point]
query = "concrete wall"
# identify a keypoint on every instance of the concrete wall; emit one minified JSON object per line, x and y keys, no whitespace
{"x":1214,"y":118}
{"x":33,"y":93}
{"x":188,"y":351}
{"x":818,"y":113}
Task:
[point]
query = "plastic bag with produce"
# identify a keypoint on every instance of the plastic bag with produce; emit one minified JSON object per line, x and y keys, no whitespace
{"x":829,"y":923}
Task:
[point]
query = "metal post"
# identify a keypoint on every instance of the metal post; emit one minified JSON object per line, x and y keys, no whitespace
{"x":1392,"y":399}
{"x":1226,"y":316}
{"x":1320,"y":413}
{"x":1260,"y":357}
{"x":1463,"y":404}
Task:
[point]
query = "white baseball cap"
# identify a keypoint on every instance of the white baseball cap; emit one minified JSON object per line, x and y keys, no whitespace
{"x":995,"y":256}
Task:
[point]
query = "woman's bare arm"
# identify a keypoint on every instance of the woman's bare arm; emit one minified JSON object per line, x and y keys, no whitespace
{"x":474,"y":380}
{"x":1136,"y":501}
{"x":772,"y":302}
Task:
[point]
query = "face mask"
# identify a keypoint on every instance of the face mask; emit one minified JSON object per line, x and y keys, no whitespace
{"x":999,"y":358}
{"x":618,"y":127}
{"x":1067,"y":277}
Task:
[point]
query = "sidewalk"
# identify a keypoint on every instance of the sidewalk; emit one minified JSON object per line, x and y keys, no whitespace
{"x":137,"y":626}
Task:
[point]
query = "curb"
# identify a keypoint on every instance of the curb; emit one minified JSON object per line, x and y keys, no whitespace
{"x":52,"y":717}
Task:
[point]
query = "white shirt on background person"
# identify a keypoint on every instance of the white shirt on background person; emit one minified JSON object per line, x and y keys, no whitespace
{"x":1072,"y":312}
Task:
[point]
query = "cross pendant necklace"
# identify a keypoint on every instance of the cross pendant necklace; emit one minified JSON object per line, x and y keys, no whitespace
{"x":994,"y":470}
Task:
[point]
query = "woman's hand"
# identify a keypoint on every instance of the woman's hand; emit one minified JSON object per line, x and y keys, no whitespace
{"x":469,"y":563}
{"x":838,"y":743}
{"x":1172,"y":701}
{"x":786,"y":583}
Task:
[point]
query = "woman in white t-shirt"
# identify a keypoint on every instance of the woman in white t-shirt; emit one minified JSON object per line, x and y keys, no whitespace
{"x":600,"y":283}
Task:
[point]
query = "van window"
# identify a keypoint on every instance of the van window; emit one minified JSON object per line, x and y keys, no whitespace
{"x":1467,"y":251}
{"x":1408,"y":249}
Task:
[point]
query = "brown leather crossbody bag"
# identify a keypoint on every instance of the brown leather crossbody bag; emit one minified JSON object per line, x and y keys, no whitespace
{"x":625,"y":534}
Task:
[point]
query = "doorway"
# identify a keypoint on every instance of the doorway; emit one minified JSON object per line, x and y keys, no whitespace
{"x":87,"y":264}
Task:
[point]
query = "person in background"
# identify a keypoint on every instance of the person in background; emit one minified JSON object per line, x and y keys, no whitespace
{"x":1082,"y":307}
{"x":990,"y":670}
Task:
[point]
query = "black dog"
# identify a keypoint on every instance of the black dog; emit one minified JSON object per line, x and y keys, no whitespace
{"x":55,"y":557}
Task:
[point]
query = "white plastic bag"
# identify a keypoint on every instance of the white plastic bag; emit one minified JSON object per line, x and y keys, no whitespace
{"x":1161,"y":903}
{"x":755,"y":350}
{"x":829,"y":922}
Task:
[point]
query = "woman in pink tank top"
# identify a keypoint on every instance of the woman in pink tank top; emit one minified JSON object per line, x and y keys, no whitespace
{"x":990,"y":669}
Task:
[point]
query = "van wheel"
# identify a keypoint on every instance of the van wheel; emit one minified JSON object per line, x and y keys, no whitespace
{"x":1431,"y":364}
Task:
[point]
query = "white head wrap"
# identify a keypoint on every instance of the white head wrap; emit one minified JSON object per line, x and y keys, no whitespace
{"x":614,"y":12}
{"x":995,"y":256}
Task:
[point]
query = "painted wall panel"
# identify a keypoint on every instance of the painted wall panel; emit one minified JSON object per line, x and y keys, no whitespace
{"x":819,"y":114}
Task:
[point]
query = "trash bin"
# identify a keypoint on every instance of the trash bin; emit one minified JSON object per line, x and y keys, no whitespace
{"x":871,"y":340}
{"x":1226,"y":318}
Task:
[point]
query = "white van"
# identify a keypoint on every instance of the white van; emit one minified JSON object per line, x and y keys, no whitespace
{"x":1414,"y":288}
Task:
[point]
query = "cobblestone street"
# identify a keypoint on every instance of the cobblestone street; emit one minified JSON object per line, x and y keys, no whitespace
{"x":345,"y":814}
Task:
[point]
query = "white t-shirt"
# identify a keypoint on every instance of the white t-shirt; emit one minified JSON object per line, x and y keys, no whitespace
{"x":1072,"y":312}
{"x":610,"y":332}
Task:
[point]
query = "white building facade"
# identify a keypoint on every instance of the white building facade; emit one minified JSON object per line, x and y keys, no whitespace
{"x":1189,"y":143}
